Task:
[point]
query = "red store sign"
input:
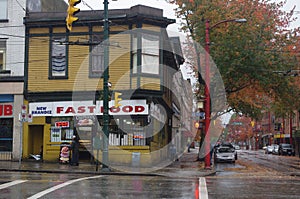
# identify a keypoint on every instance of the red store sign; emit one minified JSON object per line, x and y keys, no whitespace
{"x":77,"y":108}
{"x":62,"y":124}
{"x":6,"y":110}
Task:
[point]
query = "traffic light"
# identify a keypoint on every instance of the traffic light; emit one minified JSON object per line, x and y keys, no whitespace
{"x":71,"y":12}
{"x":117,"y":99}
{"x":197,"y":125}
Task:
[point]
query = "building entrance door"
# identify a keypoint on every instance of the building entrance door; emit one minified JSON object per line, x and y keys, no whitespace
{"x":36,"y":138}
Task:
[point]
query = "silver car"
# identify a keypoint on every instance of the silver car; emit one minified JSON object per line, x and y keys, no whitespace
{"x":225,"y":154}
{"x":275,"y":149}
{"x":269,"y":149}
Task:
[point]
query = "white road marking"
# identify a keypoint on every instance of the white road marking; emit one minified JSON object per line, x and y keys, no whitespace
{"x":3,"y":186}
{"x":202,"y":189}
{"x":40,"y":194}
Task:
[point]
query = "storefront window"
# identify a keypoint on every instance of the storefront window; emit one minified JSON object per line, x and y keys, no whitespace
{"x":61,"y":129}
{"x":126,"y":131}
{"x":6,"y":134}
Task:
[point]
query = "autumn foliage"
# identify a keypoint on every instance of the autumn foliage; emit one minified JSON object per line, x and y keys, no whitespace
{"x":253,"y":58}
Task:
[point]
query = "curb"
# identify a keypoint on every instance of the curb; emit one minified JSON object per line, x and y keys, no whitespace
{"x":159,"y":173}
{"x":81,"y":172}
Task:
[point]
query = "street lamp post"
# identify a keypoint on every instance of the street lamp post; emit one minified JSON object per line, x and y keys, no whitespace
{"x":105,"y":88}
{"x":207,"y":84}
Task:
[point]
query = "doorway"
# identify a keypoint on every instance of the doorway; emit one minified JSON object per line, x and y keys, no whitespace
{"x":35,"y":139}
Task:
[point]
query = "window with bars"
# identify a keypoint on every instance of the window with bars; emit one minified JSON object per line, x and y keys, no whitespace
{"x":97,"y":57}
{"x":58,"y":66}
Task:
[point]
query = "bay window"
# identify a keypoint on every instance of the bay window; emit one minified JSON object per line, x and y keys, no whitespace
{"x":145,"y":53}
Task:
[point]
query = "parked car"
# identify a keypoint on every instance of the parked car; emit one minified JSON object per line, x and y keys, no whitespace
{"x":286,"y":149}
{"x":269,"y":149}
{"x":224,"y":154}
{"x":230,"y":145}
{"x":275,"y":149}
{"x":236,"y":147}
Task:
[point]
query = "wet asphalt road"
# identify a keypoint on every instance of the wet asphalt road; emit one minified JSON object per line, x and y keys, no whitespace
{"x":254,"y":175}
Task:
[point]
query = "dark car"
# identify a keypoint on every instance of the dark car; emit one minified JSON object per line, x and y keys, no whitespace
{"x":286,"y":149}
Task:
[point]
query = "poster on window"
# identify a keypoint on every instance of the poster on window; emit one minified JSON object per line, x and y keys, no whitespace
{"x":55,"y":134}
{"x":68,"y":134}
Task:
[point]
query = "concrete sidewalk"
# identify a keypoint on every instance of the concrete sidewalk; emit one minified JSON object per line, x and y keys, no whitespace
{"x":187,"y":167}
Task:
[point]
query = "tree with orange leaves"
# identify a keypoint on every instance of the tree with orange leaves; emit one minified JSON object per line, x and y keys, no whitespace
{"x":254,"y":59}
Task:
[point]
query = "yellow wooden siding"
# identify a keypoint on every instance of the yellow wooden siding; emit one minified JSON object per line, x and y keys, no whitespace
{"x":150,"y":83}
{"x":59,"y":30}
{"x":119,"y":68}
{"x":118,"y":28}
{"x":151,"y":27}
{"x":98,"y":29}
{"x":78,"y":66}
{"x":38,"y":30}
{"x":134,"y":83}
{"x":79,"y":29}
{"x":38,"y":63}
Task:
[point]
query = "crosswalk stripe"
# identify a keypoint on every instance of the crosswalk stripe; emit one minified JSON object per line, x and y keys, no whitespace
{"x":3,"y":186}
{"x":202,"y":188}
{"x":42,"y":193}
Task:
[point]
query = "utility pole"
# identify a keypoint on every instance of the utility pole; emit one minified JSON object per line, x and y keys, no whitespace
{"x":105,"y":160}
{"x":207,"y":107}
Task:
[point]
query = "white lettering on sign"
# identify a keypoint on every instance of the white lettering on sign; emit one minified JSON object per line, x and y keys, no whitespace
{"x":77,"y":108}
{"x":6,"y":110}
{"x":41,"y":110}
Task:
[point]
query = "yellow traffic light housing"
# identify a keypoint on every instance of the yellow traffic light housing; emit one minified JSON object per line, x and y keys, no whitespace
{"x":117,"y":99}
{"x":71,"y":12}
{"x":197,"y":125}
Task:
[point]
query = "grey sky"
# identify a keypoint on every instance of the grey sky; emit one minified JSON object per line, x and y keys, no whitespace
{"x":168,"y":8}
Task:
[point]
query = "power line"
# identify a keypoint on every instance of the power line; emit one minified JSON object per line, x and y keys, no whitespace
{"x":86,"y":4}
{"x":12,"y":26}
{"x":21,"y":5}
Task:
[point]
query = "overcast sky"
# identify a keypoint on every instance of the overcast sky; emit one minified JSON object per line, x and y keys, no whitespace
{"x":168,"y":8}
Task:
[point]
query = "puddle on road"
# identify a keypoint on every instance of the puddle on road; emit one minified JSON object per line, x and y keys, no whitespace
{"x":225,"y":173}
{"x":228,"y":169}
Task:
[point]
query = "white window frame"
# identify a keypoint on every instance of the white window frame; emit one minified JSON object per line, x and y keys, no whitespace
{"x":134,"y":53}
{"x":150,"y":46}
{"x":150,"y":54}
{"x":2,"y":63}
